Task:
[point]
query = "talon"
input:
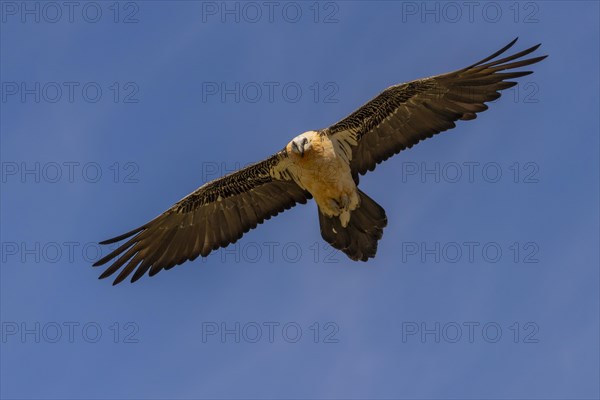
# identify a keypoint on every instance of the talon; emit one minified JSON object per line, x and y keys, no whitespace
{"x":334,"y":205}
{"x":345,"y":201}
{"x":345,"y":218}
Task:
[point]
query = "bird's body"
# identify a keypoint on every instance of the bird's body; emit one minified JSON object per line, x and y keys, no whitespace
{"x":324,"y":164}
{"x":321,"y":168}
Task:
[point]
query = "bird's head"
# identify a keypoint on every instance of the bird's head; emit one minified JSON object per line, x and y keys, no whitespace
{"x":301,"y":144}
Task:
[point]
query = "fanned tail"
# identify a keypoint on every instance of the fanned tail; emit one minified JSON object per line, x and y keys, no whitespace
{"x":359,"y":239}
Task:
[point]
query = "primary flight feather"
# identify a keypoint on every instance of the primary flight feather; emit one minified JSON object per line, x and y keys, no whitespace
{"x":324,"y":164}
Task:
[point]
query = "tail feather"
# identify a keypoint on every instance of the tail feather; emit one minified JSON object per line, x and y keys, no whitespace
{"x":359,"y":239}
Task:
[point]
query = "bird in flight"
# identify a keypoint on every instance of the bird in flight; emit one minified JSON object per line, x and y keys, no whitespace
{"x":321,"y":164}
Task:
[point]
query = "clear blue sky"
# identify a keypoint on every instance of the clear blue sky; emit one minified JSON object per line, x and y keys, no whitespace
{"x":486,"y":281}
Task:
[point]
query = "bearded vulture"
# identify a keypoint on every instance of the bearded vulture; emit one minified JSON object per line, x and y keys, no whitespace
{"x":324,"y":164}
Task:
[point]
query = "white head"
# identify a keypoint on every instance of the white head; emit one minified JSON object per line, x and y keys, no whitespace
{"x":301,"y":143}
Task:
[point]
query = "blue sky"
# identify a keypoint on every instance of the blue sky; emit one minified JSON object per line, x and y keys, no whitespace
{"x":486,"y":281}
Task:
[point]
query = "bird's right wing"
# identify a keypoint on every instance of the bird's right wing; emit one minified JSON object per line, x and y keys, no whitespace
{"x":213,"y":216}
{"x":402,"y":115}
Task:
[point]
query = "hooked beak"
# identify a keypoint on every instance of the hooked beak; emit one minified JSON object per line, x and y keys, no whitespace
{"x":299,"y":149}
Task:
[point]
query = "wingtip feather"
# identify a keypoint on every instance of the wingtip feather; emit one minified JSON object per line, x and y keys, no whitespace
{"x":123,"y":236}
{"x":496,"y":54}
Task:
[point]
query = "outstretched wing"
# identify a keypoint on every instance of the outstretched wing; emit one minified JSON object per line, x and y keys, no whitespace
{"x":404,"y":114}
{"x":215,"y":215}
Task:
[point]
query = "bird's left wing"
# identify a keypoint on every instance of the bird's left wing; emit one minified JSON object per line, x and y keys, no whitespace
{"x":213,"y":216}
{"x":402,"y":115}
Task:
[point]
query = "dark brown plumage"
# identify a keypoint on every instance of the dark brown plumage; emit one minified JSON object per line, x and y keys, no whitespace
{"x":221,"y":211}
{"x":404,"y":114}
{"x":215,"y":215}
{"x":359,"y":239}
